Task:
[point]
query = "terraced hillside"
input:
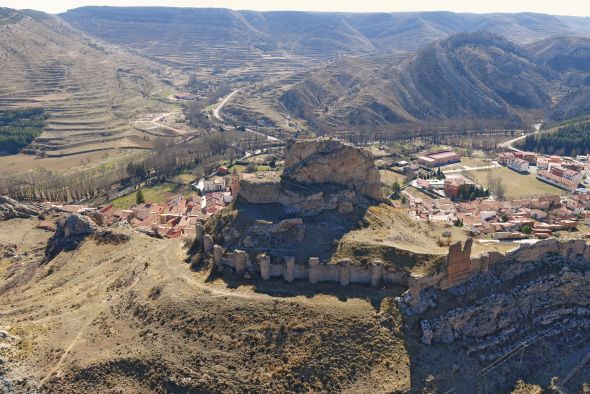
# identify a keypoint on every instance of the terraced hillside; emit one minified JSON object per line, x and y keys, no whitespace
{"x":89,"y":89}
{"x":222,"y":38}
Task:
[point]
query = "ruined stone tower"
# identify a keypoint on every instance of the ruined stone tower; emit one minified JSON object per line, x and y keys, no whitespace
{"x":235,"y":183}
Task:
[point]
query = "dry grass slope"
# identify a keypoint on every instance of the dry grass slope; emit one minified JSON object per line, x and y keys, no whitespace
{"x":136,"y":318}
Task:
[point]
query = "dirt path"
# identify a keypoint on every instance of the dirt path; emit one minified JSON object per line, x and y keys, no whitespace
{"x":468,"y":168}
{"x":55,"y":371}
{"x":157,"y":121}
{"x":217,"y":110}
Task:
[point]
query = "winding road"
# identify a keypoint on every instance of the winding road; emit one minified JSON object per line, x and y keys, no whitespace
{"x":510,"y":143}
{"x":218,"y":109}
{"x":217,"y":115}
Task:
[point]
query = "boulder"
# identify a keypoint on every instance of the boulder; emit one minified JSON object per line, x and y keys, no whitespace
{"x":69,"y":233}
{"x":12,"y":209}
{"x":96,"y":216}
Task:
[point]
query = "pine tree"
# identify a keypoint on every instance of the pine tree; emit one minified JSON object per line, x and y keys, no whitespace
{"x":139,"y":198}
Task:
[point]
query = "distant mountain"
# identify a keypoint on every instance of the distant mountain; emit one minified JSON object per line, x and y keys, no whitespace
{"x":562,"y":53}
{"x":468,"y":75}
{"x":573,"y":105}
{"x":88,"y":88}
{"x":226,"y":38}
{"x":567,"y":65}
{"x":374,"y":69}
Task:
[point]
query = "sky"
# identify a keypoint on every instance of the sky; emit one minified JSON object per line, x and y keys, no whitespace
{"x":556,"y":7}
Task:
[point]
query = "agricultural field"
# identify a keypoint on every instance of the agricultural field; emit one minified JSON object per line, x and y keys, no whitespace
{"x":388,"y":177}
{"x":158,"y":194}
{"x":16,"y":164}
{"x":517,"y":185}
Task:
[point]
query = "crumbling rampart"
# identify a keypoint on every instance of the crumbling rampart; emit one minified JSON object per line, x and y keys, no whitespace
{"x":460,"y":267}
{"x":313,"y":270}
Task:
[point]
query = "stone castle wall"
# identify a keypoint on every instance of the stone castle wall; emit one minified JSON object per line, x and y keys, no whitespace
{"x":460,"y":267}
{"x":314,"y":271}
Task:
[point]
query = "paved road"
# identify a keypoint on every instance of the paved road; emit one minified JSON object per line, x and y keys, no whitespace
{"x":510,"y":144}
{"x":218,"y":109}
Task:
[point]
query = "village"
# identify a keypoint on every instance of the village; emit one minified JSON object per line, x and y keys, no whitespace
{"x":453,"y":198}
{"x":437,"y":186}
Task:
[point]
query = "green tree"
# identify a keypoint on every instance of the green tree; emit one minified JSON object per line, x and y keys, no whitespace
{"x":458,"y":223}
{"x":139,"y":198}
{"x":193,"y":81}
{"x":527,"y":229}
{"x":396,"y":187}
{"x":504,"y":218}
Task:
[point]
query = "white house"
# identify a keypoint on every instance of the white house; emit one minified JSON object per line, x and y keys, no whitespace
{"x":517,"y":164}
{"x":215,"y":184}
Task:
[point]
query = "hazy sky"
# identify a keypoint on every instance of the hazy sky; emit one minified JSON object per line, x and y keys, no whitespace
{"x":558,"y":7}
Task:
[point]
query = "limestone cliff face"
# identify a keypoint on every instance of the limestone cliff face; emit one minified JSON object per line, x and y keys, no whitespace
{"x":304,"y":204}
{"x":331,"y":161}
{"x":542,"y":288}
{"x":320,"y":174}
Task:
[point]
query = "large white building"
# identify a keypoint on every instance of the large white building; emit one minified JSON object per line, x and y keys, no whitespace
{"x":563,"y":178}
{"x":215,"y":184}
{"x":517,"y":164}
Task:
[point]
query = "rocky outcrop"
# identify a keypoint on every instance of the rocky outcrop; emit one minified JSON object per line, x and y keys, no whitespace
{"x":8,"y":251}
{"x":325,"y":160}
{"x":536,"y":291}
{"x":299,"y":202}
{"x":70,"y":232}
{"x":320,"y":174}
{"x":561,"y":298}
{"x":268,"y":234}
{"x":12,"y":209}
{"x":96,"y":216}
{"x":73,"y":229}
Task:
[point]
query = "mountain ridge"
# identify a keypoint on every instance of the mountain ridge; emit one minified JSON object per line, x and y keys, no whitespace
{"x":468,"y":75}
{"x":317,"y":35}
